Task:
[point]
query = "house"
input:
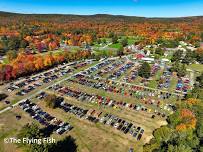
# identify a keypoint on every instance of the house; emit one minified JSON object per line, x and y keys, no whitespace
{"x":201,"y":45}
{"x":140,"y":56}
{"x":150,"y":60}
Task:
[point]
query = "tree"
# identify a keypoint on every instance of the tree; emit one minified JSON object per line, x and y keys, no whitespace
{"x":179,"y":148}
{"x":104,"y":41}
{"x":111,"y":34}
{"x":201,"y":36}
{"x":13,"y":43}
{"x":179,"y":68}
{"x":29,"y":131}
{"x":32,"y":131}
{"x":144,"y":70}
{"x":159,"y":51}
{"x":99,"y":41}
{"x":11,"y":54}
{"x":124,"y":42}
{"x":3,"y":96}
{"x":200,"y":80}
{"x":115,"y":39}
{"x":177,"y":56}
{"x":51,"y":101}
{"x":120,"y":51}
{"x":189,"y":57}
{"x":23,"y":43}
{"x":162,"y":134}
{"x":67,"y":144}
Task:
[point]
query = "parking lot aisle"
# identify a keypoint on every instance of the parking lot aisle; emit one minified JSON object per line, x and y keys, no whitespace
{"x":33,"y":95}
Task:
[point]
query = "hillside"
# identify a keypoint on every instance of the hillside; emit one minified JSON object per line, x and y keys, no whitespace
{"x":96,"y":17}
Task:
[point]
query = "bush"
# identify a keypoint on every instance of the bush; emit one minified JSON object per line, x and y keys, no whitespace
{"x":3,"y":96}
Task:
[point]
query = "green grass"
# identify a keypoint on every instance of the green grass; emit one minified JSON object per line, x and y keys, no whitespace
{"x":5,"y":61}
{"x":105,"y":52}
{"x":196,"y":67}
{"x":117,"y":45}
{"x":152,"y":84}
{"x":173,"y":84}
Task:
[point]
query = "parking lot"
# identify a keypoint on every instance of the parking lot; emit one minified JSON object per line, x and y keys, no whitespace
{"x":24,"y":87}
{"x":102,"y":101}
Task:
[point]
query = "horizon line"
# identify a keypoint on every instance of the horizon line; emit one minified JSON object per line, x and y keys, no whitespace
{"x":24,"y":13}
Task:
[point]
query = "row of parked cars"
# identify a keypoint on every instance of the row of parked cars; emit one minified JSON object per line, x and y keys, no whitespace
{"x":132,"y":75}
{"x":138,"y":92}
{"x":183,"y":85}
{"x":111,"y":67}
{"x":165,"y":79}
{"x":155,"y":68}
{"x":98,"y":66}
{"x":122,"y":125}
{"x":79,"y":112}
{"x":102,"y":100}
{"x":32,"y":82}
{"x":116,"y":74}
{"x":108,"y":119}
{"x":44,"y":118}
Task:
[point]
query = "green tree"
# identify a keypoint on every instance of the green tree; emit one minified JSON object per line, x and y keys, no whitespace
{"x":111,"y":34}
{"x":189,"y":57}
{"x":177,"y":56}
{"x":200,"y":80}
{"x":115,"y":39}
{"x":159,"y":51}
{"x":201,"y":36}
{"x":11,"y":54}
{"x":179,"y":68}
{"x":13,"y":43}
{"x":99,"y":41}
{"x":162,"y":134}
{"x":179,"y":148}
{"x":120,"y":51}
{"x":51,"y":101}
{"x":29,"y":131}
{"x":124,"y":42}
{"x":23,"y":44}
{"x":144,"y":70}
{"x":104,"y":41}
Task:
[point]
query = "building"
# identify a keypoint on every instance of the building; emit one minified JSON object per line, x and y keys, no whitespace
{"x":201,"y":45}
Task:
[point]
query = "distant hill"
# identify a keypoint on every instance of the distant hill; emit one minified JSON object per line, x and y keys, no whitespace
{"x":96,"y":17}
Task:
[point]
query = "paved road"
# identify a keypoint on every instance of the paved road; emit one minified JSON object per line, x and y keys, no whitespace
{"x":33,"y":95}
{"x":192,"y":76}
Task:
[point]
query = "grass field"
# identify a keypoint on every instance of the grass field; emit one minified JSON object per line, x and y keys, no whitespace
{"x":196,"y":67}
{"x":117,"y":45}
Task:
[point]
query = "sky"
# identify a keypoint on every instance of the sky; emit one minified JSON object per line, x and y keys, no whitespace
{"x":144,"y":8}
